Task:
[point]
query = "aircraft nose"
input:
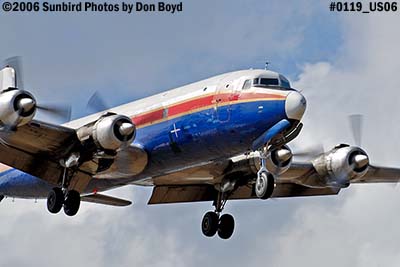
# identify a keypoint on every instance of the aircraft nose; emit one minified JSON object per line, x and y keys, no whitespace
{"x":295,"y":105}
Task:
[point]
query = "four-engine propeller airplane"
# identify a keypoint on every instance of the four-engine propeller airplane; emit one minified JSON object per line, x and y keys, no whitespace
{"x":217,"y":139}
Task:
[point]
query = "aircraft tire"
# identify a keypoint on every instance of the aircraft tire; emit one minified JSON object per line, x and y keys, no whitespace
{"x":264,"y":185}
{"x":72,"y":203}
{"x":209,"y":224}
{"x":226,"y":226}
{"x":55,"y":200}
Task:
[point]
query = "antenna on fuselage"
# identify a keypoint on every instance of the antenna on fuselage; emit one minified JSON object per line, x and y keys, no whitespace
{"x":266,"y":65}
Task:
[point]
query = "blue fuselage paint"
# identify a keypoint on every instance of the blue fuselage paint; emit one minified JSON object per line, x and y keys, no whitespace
{"x":203,"y":136}
{"x":219,"y":132}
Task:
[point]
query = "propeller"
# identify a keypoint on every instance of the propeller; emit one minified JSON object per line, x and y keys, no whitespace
{"x":96,"y":103}
{"x":16,"y":64}
{"x":360,"y":161}
{"x":356,"y":123}
{"x":28,"y":103}
{"x":126,"y":129}
{"x":60,"y":111}
{"x":283,"y":154}
{"x":311,"y":151}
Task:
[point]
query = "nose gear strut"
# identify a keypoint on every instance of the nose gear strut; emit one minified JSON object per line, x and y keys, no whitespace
{"x":265,"y":182}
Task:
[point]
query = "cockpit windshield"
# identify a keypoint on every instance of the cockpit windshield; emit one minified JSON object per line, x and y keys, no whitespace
{"x":284,"y":82}
{"x":275,"y":80}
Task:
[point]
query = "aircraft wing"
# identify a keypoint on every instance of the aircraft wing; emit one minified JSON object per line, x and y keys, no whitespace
{"x":36,"y":148}
{"x":300,"y":180}
{"x":197,"y":183}
{"x":377,"y":174}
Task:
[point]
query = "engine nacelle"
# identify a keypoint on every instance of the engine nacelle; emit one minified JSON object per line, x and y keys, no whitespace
{"x":277,"y":162}
{"x":113,"y":132}
{"x":17,"y":107}
{"x":342,"y":164}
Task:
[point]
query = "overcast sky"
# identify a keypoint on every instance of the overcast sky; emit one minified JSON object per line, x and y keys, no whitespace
{"x":343,"y":64}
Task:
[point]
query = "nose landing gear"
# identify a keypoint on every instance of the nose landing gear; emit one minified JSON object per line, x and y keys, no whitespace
{"x":265,"y":182}
{"x":224,"y":225}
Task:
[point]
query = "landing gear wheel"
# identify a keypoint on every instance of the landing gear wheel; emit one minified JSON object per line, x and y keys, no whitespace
{"x":55,"y":200}
{"x":209,"y":224}
{"x":265,"y":184}
{"x":226,"y":226}
{"x":72,"y":203}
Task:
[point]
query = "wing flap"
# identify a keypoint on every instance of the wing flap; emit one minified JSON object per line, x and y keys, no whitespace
{"x":178,"y":194}
{"x":194,"y":193}
{"x":28,"y":163}
{"x":106,"y":200}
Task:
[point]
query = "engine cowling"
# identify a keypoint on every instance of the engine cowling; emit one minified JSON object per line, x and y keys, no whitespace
{"x":113,"y":132}
{"x":342,"y":164}
{"x":277,"y":162}
{"x":17,"y":107}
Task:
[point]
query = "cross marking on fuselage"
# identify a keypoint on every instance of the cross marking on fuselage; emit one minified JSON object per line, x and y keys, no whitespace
{"x":175,"y":131}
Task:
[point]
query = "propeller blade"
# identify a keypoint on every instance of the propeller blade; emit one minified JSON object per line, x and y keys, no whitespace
{"x":96,"y":103}
{"x":309,"y":152}
{"x":62,"y":112}
{"x":16,"y":64}
{"x":356,"y":123}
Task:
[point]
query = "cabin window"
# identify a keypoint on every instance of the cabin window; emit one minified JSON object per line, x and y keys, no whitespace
{"x":247,"y":84}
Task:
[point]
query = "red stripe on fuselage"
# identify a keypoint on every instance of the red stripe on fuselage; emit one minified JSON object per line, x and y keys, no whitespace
{"x":184,"y":107}
{"x":148,"y":117}
{"x":190,"y":105}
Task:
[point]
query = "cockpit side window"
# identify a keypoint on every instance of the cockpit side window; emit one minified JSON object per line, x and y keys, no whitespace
{"x":284,"y":82}
{"x":247,"y":84}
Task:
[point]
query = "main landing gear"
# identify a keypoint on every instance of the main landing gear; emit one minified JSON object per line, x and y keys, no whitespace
{"x":62,"y":197}
{"x":59,"y":198}
{"x":213,"y":223}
